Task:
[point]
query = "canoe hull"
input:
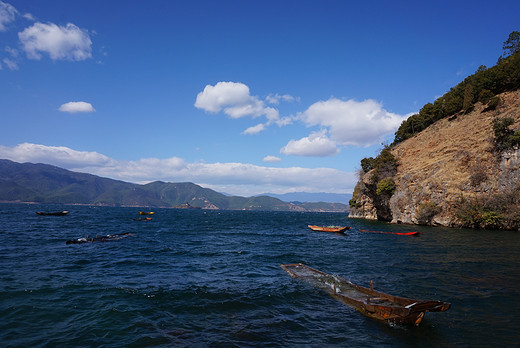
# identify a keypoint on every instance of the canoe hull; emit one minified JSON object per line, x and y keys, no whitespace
{"x":371,"y":303}
{"x":107,"y":238}
{"x":58,"y":213}
{"x":328,"y":229}
{"x":415,"y":233}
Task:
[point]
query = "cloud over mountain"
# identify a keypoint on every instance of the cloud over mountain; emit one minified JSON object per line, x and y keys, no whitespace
{"x":238,"y":178}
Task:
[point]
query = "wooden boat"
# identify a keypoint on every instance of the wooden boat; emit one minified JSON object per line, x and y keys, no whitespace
{"x":146,"y":212}
{"x":57,"y":213}
{"x":337,"y":229}
{"x":107,"y":238}
{"x":374,"y":304}
{"x":143,"y":219}
{"x":415,"y":233}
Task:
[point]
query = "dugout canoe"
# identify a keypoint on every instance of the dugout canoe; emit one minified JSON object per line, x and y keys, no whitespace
{"x":107,"y":238}
{"x":415,"y":233}
{"x":374,"y":304}
{"x":336,"y":229}
{"x":56,"y":213}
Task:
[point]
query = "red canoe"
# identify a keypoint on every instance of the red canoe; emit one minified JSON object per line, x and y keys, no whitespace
{"x":399,"y":233}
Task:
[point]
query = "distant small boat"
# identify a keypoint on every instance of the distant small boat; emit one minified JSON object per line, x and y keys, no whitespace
{"x":143,"y":219}
{"x":146,"y":212}
{"x":57,"y":213}
{"x":374,"y":304}
{"x":186,"y":206}
{"x":415,"y":233}
{"x":336,"y":229}
{"x":107,"y":238}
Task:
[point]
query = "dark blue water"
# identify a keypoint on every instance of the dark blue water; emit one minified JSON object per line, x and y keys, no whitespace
{"x":195,"y":278}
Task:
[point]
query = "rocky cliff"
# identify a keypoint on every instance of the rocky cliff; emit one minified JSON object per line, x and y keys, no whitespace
{"x":450,"y":169}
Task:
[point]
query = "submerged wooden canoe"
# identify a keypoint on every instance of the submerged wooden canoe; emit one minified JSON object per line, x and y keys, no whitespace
{"x":415,"y":233}
{"x":336,"y":229}
{"x":374,"y":304}
{"x":57,"y":213}
{"x":107,"y":238}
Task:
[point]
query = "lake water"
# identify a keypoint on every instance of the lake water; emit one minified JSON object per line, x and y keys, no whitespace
{"x":196,"y":278}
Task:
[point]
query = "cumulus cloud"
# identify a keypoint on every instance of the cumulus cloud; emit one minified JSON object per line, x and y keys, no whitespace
{"x":255,"y":129}
{"x":234,"y":99}
{"x":351,"y":122}
{"x":272,"y":159}
{"x":343,"y":123}
{"x":75,"y":107}
{"x":59,"y":42}
{"x":316,"y":145}
{"x":236,"y":178}
{"x":7,"y":15}
{"x":55,"y":155}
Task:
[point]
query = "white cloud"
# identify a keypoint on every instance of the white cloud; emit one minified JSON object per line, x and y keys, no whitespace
{"x":234,"y":99}
{"x":11,"y":64}
{"x":55,"y":155}
{"x":75,"y":107}
{"x":316,"y":145}
{"x":234,"y":178}
{"x":343,"y":123}
{"x":7,"y":15}
{"x":222,"y":96}
{"x":276,"y":98}
{"x":254,"y":129}
{"x":272,"y":159}
{"x":29,"y":16}
{"x":60,"y":43}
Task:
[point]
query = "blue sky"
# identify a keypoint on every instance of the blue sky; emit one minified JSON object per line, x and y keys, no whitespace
{"x":244,"y":97}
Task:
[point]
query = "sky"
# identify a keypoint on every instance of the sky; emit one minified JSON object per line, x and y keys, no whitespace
{"x":243,"y":97}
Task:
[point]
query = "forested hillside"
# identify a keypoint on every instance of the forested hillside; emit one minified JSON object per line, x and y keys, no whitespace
{"x":41,"y":183}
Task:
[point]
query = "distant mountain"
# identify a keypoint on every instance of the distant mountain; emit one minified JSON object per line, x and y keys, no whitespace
{"x":42,"y":183}
{"x":312,"y":197}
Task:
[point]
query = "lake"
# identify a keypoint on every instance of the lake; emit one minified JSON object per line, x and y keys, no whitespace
{"x":201,"y":278}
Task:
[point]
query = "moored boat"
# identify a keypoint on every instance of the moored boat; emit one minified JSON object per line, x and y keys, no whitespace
{"x":56,"y":213}
{"x":374,"y":304}
{"x":336,"y":229}
{"x":146,"y":212}
{"x":415,"y":233}
{"x":143,"y":219}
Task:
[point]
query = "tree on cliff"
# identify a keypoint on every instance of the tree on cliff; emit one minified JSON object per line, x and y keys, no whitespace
{"x":512,"y":44}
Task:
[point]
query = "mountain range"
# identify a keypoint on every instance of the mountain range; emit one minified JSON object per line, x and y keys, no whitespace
{"x":43,"y":183}
{"x":311,"y":197}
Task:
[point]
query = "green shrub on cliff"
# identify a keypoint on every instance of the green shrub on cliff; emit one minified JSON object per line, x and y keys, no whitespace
{"x":386,"y":185}
{"x":491,"y":211}
{"x":505,"y":138}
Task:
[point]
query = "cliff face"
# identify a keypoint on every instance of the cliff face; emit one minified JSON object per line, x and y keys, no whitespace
{"x":451,"y":161}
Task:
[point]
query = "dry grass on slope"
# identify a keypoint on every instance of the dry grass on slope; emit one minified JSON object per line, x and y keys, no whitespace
{"x":454,"y":156}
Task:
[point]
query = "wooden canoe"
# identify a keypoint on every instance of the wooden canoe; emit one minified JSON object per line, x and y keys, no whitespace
{"x":57,"y":213}
{"x":146,"y":212}
{"x":107,"y":238}
{"x":374,"y":304}
{"x":142,"y":219}
{"x":415,"y":233}
{"x":336,"y":229}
